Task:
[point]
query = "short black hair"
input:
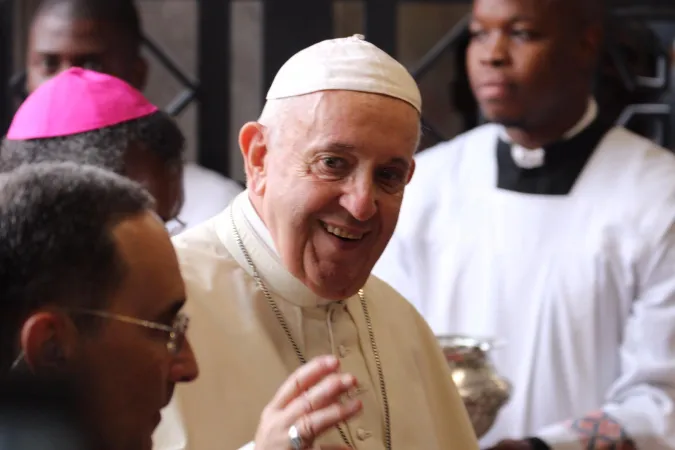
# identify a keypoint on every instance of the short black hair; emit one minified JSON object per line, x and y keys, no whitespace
{"x":122,"y":14}
{"x":56,"y":242}
{"x":105,"y":147}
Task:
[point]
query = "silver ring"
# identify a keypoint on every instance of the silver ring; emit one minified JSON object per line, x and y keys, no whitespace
{"x":296,"y":440}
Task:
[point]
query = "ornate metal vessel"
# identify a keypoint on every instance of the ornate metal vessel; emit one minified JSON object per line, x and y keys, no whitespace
{"x":483,"y":391}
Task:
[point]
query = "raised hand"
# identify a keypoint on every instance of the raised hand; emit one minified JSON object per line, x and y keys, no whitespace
{"x":306,"y":405}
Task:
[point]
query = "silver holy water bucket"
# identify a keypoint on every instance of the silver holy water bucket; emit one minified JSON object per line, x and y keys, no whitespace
{"x":483,"y":391}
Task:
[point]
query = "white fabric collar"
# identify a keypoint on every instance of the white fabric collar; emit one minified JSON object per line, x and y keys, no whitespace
{"x":533,"y":158}
{"x":257,"y":223}
{"x":259,"y":244}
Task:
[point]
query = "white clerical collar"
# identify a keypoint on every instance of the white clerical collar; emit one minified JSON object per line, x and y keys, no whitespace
{"x":533,"y":158}
{"x":256,"y":222}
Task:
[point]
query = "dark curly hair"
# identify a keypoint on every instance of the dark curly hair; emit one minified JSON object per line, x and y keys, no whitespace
{"x":103,"y":148}
{"x":56,"y":243}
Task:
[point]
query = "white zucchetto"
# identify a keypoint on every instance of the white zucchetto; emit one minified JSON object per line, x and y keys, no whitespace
{"x":348,"y":64}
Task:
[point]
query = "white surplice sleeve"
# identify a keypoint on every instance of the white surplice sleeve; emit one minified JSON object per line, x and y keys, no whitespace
{"x":640,"y":408}
{"x":403,"y":262}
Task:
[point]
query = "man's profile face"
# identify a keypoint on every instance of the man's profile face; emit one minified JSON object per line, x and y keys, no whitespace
{"x":126,"y":369}
{"x":59,"y":41}
{"x":334,"y":182}
{"x":521,"y":58}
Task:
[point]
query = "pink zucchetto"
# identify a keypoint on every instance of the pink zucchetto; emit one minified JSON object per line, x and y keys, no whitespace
{"x":77,"y":101}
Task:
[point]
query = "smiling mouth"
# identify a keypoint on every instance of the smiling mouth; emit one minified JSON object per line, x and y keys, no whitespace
{"x":342,"y":233}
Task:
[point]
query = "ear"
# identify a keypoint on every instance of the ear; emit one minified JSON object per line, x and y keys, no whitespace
{"x":48,"y":342}
{"x":253,"y":147}
{"x":140,"y":73}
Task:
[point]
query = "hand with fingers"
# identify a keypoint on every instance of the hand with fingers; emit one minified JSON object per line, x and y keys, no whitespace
{"x":306,"y":405}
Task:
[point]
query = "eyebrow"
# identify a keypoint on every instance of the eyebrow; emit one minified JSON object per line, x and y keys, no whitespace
{"x":344,"y":147}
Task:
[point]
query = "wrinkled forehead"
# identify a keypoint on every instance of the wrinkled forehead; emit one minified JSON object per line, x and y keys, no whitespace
{"x":356,"y":119}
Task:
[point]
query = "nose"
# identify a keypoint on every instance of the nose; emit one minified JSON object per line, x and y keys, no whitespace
{"x":185,"y":368}
{"x":495,"y":51}
{"x":359,"y":199}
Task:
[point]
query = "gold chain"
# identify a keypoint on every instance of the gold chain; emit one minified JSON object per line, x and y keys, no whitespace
{"x":282,"y":321}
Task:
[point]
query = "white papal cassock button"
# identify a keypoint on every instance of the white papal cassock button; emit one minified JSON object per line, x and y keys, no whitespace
{"x":362,"y":434}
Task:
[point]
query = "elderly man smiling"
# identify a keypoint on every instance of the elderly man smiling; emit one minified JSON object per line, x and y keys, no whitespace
{"x":283,"y":275}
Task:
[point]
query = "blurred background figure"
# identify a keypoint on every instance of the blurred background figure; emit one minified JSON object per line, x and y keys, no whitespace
{"x":105,"y":36}
{"x":553,"y":230}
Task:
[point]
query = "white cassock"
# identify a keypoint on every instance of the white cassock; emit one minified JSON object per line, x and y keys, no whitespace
{"x":244,"y":354}
{"x":571,"y":262}
{"x":207,"y":193}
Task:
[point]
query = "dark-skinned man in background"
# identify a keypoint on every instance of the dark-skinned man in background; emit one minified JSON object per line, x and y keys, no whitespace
{"x":551,"y":230}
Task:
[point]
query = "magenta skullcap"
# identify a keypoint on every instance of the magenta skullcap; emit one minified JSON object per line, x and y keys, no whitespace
{"x":76,"y":101}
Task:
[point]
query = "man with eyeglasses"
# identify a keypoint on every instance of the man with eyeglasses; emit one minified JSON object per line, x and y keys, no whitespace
{"x":91,"y":293}
{"x":91,"y":118}
{"x":91,"y":297}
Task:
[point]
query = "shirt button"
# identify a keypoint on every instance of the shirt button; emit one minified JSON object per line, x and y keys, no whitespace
{"x":343,"y":351}
{"x":362,"y":434}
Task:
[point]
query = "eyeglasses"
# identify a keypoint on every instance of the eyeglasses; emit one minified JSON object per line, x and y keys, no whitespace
{"x":175,"y":226}
{"x":176,"y":331}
